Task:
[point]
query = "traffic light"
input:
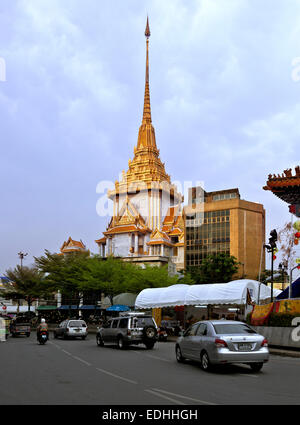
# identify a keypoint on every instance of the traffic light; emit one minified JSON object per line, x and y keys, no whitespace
{"x":273,"y":239}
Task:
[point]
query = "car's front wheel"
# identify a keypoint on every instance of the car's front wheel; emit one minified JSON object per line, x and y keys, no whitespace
{"x":205,"y":363}
{"x":99,"y":341}
{"x":256,"y":367}
{"x":120,"y":342}
{"x":179,"y":356}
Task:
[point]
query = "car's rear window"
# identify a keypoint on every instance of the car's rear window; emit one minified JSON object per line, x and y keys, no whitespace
{"x":232,"y":329}
{"x":77,"y":324}
{"x":142,"y":321}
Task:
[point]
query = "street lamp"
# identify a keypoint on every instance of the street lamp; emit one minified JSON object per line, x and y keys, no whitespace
{"x":21,"y":256}
{"x":271,"y":248}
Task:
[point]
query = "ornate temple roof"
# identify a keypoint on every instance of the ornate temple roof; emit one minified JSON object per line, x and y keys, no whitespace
{"x":285,"y":186}
{"x":72,"y":246}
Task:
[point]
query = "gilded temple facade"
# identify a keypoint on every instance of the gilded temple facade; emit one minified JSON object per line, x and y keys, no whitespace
{"x":147,"y":224}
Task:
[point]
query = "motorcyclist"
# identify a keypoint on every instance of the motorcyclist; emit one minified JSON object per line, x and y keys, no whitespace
{"x":42,"y":327}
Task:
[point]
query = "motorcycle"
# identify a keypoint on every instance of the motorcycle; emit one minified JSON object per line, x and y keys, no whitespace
{"x":43,"y":337}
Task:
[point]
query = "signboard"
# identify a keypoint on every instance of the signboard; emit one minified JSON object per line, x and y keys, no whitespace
{"x":287,"y":306}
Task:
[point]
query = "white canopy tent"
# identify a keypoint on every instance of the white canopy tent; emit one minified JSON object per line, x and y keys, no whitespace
{"x":234,"y":293}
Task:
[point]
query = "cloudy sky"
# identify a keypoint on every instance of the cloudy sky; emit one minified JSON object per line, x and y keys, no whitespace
{"x":225,"y":98}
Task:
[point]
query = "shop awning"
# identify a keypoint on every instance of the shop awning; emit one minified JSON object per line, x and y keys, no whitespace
{"x":68,"y":307}
{"x":234,"y":293}
{"x":89,"y":307}
{"x":47,"y":308}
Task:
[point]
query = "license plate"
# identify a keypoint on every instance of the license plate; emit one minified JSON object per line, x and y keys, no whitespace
{"x":245,"y":347}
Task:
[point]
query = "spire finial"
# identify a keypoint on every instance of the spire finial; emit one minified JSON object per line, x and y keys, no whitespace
{"x":147,"y":107}
{"x":147,"y":31}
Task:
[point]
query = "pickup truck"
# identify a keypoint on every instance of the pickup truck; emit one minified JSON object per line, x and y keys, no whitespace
{"x":20,"y":326}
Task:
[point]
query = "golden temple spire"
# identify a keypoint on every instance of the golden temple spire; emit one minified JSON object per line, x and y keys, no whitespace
{"x":147,"y":107}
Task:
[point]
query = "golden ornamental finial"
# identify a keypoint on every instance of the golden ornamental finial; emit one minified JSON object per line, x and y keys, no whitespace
{"x":147,"y":31}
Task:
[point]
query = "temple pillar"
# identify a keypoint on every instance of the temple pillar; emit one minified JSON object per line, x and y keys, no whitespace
{"x":136,"y":244}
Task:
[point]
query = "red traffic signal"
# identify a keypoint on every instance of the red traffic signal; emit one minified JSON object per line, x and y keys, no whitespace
{"x":292,"y":209}
{"x":274,"y":257}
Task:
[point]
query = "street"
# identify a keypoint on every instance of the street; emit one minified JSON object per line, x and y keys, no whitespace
{"x":80,"y":372}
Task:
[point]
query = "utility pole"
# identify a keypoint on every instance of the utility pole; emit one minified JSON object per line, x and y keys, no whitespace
{"x":21,"y":256}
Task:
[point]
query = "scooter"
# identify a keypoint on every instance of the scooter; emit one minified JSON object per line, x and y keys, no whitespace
{"x":43,"y":337}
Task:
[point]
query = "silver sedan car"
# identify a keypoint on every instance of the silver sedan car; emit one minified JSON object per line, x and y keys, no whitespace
{"x":222,"y":342}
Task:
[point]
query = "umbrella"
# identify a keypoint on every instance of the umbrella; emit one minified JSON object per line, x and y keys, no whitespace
{"x":118,"y":307}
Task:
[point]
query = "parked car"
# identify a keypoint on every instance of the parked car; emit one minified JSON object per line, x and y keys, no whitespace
{"x":222,"y":342}
{"x":128,"y":329}
{"x":20,"y":326}
{"x":71,"y":329}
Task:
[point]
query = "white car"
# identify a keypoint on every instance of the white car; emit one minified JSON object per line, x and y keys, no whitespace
{"x":71,"y":329}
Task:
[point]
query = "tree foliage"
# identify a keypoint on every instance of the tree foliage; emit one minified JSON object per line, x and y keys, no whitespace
{"x":111,"y":276}
{"x":26,"y":284}
{"x":286,"y":237}
{"x":218,"y":268}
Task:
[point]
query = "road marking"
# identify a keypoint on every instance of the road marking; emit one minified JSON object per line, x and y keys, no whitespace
{"x":157,"y":358}
{"x":55,"y":345}
{"x":165,"y":397}
{"x":184,"y":397}
{"x":81,"y":360}
{"x":117,"y":376}
{"x":67,"y":352}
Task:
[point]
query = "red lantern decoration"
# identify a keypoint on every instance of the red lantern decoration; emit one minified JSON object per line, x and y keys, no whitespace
{"x":297,"y":235}
{"x":296,"y":241}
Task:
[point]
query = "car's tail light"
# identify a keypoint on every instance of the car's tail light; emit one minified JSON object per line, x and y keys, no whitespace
{"x":220,"y":343}
{"x":264,"y":343}
{"x":128,"y":332}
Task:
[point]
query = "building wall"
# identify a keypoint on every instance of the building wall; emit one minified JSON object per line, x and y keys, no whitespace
{"x":247,"y":232}
{"x":121,"y":245}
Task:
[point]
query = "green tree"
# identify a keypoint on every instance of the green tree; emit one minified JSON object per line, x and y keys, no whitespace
{"x":63,"y":273}
{"x":26,"y":284}
{"x":218,"y":268}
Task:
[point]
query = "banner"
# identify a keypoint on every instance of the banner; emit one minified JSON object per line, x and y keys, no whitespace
{"x":261,"y":314}
{"x":287,"y":306}
{"x":156,"y":314}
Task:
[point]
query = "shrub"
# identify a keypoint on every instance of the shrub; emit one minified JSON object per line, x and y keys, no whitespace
{"x":281,"y":319}
{"x":248,"y":318}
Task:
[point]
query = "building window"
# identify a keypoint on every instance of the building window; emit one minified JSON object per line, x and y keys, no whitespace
{"x":212,"y":236}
